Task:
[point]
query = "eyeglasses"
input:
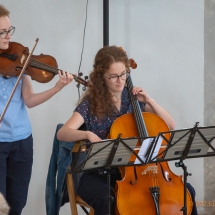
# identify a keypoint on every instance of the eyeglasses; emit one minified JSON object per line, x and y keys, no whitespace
{"x":4,"y":34}
{"x":114,"y":78}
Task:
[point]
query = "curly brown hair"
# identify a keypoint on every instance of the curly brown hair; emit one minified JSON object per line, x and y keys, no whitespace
{"x":101,"y":100}
{"x":3,"y":11}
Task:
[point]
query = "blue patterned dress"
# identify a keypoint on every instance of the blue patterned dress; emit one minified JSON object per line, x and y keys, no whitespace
{"x":101,"y":127}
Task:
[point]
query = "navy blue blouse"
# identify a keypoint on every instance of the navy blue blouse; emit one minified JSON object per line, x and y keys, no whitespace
{"x":101,"y":127}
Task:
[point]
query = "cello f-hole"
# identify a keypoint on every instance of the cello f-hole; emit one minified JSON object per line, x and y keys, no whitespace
{"x":165,"y":174}
{"x":135,"y":176}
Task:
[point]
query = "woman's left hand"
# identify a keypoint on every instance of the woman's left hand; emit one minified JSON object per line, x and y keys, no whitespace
{"x":141,"y":94}
{"x":152,"y":106}
{"x":64,"y":79}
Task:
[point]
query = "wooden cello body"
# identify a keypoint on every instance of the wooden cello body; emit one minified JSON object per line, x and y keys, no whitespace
{"x":151,"y":189}
{"x":136,"y":198}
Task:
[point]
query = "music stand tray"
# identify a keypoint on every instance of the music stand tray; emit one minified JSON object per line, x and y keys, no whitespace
{"x":184,"y":144}
{"x":109,"y":153}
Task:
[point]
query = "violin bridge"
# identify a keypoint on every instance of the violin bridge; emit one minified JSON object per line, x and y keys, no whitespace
{"x":22,"y":59}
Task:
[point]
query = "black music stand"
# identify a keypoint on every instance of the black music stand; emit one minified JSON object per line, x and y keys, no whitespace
{"x":107,"y":154}
{"x":183,"y":144}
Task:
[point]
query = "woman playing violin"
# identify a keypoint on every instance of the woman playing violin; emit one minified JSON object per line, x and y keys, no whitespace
{"x":100,"y":106}
{"x":16,"y":142}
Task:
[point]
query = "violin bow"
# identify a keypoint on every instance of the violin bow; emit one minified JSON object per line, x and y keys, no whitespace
{"x":17,"y":82}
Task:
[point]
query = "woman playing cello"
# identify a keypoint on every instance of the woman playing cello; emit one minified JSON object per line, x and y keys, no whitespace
{"x":16,"y":142}
{"x":100,"y":106}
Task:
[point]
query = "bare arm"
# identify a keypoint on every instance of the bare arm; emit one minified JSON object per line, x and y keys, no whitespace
{"x":154,"y":107}
{"x":32,"y":99}
{"x":69,"y":131}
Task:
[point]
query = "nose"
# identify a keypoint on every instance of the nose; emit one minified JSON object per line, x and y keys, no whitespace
{"x":8,"y":36}
{"x":119,"y":79}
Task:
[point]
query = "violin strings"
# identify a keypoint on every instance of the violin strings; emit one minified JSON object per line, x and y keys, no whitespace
{"x":44,"y":66}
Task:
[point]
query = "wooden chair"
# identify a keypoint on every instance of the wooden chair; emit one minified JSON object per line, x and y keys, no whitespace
{"x":73,"y":198}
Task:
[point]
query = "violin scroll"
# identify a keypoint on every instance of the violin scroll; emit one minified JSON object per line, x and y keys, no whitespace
{"x":82,"y":81}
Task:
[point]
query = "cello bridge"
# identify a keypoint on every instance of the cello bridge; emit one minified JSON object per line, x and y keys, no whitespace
{"x":150,"y":169}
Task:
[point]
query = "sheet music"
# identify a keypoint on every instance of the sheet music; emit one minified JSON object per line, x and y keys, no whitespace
{"x":144,"y":148}
{"x":158,"y":142}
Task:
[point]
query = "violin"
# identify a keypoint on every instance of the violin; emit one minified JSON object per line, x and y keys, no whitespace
{"x":42,"y":68}
{"x":17,"y":60}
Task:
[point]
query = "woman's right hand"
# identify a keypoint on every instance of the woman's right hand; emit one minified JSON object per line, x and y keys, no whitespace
{"x":93,"y":137}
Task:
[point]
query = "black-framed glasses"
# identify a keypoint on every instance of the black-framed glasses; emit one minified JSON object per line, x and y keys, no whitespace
{"x":4,"y":34}
{"x":114,"y":78}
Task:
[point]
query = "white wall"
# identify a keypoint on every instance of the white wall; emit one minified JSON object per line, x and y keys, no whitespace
{"x":164,"y":37}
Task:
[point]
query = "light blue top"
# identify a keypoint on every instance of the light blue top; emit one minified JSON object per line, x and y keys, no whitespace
{"x":15,"y":124}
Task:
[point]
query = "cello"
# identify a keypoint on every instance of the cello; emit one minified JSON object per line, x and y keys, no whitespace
{"x":152,"y":189}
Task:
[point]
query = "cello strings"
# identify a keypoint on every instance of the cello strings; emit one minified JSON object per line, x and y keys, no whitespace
{"x":136,"y":109}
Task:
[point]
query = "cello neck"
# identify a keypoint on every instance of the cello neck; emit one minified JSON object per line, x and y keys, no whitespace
{"x":141,"y":126}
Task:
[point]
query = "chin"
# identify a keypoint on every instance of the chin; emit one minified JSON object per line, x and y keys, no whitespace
{"x":4,"y":47}
{"x":120,"y":89}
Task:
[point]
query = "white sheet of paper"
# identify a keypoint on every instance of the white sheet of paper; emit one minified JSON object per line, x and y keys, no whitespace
{"x":157,"y":147}
{"x":144,"y":147}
